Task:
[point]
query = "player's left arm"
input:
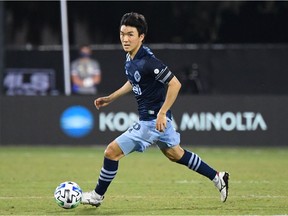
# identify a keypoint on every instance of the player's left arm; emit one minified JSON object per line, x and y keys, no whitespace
{"x":172,"y":92}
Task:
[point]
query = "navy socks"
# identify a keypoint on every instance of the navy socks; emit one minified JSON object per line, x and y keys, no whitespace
{"x":194,"y":162}
{"x":107,"y":174}
{"x":189,"y":159}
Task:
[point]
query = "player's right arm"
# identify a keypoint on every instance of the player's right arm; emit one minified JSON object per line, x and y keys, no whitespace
{"x":104,"y":101}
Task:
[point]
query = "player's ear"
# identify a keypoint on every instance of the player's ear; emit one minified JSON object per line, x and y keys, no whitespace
{"x":142,"y":36}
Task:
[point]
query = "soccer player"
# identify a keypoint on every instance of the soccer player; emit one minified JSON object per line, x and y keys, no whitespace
{"x":155,"y":88}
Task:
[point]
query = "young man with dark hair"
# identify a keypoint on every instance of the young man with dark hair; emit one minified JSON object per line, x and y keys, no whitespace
{"x":155,"y":88}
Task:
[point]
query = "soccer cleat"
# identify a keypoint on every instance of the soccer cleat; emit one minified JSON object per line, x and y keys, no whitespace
{"x":222,"y":185}
{"x":92,"y":198}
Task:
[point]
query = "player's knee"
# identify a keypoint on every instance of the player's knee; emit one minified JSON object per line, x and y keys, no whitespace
{"x":171,"y":157}
{"x":173,"y":154}
{"x":109,"y":153}
{"x":113,"y":152}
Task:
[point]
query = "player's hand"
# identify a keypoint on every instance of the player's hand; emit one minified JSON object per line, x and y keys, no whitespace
{"x":161,"y":122}
{"x":101,"y":102}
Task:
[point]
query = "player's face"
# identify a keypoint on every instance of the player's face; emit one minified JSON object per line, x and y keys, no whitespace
{"x":130,"y":39}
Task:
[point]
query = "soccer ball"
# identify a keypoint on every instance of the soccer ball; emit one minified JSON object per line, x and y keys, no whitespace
{"x":68,"y":195}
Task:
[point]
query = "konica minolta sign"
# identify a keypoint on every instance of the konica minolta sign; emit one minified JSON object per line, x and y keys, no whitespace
{"x":201,"y":120}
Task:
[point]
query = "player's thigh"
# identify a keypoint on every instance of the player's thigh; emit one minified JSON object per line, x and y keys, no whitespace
{"x":169,"y":143}
{"x":170,"y":137}
{"x":138,"y":137}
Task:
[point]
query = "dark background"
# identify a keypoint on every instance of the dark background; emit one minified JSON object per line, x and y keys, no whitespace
{"x":238,"y":47}
{"x":97,"y":22}
{"x":239,"y":50}
{"x":227,"y":70}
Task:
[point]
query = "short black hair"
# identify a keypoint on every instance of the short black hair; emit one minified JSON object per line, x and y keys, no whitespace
{"x":136,"y":20}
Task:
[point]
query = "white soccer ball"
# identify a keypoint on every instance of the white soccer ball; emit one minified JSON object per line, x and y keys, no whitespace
{"x":68,"y":195}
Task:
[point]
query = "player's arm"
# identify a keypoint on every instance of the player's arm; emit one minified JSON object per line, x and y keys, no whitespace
{"x":104,"y":101}
{"x":172,"y":92}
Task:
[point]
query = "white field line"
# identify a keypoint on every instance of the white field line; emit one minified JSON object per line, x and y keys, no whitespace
{"x":232,"y":182}
{"x":188,"y":182}
{"x":198,"y":182}
{"x":251,"y":196}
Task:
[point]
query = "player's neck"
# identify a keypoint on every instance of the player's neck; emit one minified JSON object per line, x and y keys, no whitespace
{"x":134,"y":52}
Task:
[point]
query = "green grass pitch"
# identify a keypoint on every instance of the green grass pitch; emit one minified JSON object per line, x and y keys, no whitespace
{"x":146,"y":184}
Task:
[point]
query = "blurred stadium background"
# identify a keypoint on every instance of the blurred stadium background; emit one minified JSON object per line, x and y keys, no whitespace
{"x":231,"y":57}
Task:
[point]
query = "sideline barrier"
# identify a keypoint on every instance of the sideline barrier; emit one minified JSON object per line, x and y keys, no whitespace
{"x":222,"y":69}
{"x":201,"y":120}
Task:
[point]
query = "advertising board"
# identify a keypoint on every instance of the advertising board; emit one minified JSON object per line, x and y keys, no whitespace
{"x":201,"y":120}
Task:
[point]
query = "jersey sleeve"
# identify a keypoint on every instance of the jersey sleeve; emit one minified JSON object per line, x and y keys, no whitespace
{"x":159,"y":70}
